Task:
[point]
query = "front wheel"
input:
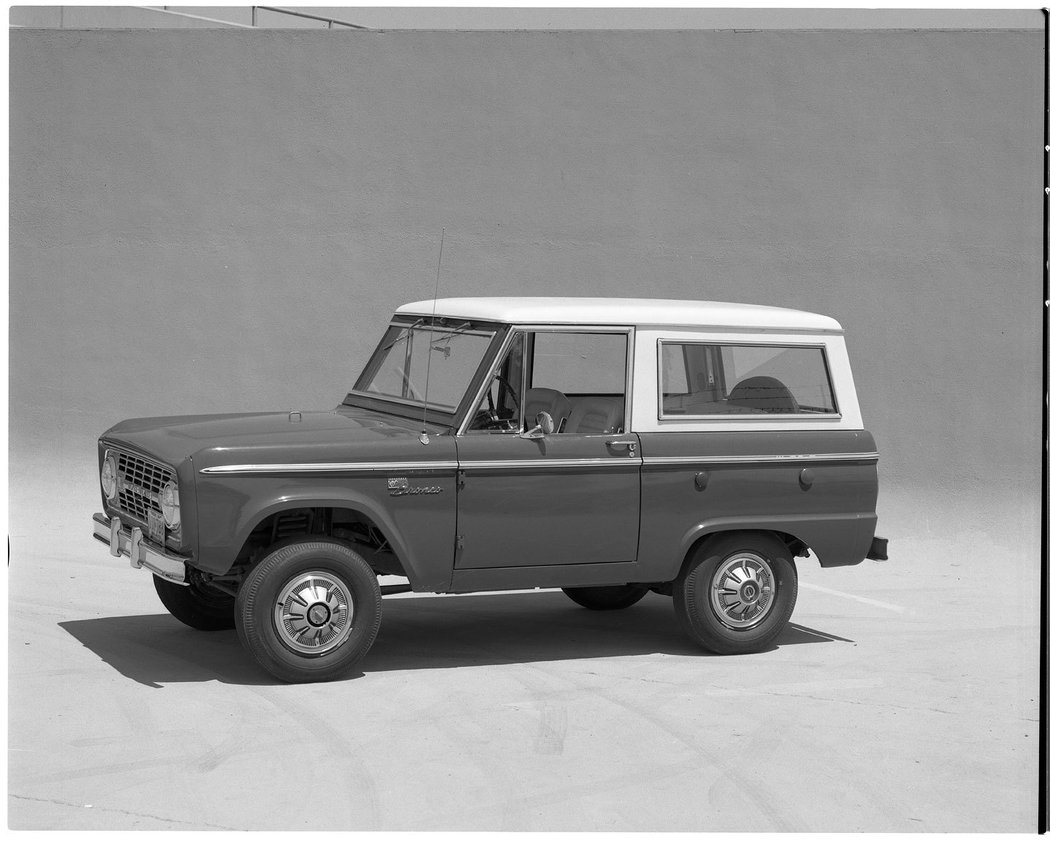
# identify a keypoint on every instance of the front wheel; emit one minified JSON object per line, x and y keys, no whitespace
{"x":606,"y":598}
{"x":736,"y":594}
{"x":309,"y":611}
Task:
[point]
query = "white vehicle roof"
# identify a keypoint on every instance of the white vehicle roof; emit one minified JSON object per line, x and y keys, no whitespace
{"x":624,"y":311}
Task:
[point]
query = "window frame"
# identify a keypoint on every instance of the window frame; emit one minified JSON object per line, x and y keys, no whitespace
{"x":528,"y":330}
{"x":744,"y":416}
{"x":415,"y":410}
{"x":497,"y":362}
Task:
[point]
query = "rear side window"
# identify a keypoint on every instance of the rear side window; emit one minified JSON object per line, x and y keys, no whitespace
{"x":699,"y":379}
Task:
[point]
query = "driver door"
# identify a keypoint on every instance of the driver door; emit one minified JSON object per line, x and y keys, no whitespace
{"x":562,"y":499}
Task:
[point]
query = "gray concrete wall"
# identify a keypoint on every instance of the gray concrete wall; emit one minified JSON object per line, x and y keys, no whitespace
{"x":222,"y":220}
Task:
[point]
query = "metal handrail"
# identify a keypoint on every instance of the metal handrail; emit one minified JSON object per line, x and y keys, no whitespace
{"x":298,"y":14}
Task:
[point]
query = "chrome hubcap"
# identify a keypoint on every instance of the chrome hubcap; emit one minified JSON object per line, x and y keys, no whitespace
{"x":314,"y":613}
{"x":742,"y":590}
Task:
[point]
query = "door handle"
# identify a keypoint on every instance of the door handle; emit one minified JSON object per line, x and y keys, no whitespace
{"x":630,"y":446}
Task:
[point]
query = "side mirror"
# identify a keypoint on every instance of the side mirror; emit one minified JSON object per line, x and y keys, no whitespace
{"x":544,"y":426}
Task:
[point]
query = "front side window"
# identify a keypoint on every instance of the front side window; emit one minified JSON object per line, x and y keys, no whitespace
{"x":735,"y":379}
{"x":578,"y":378}
{"x":424,"y":362}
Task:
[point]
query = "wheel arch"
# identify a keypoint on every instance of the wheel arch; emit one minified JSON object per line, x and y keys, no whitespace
{"x":740,"y":603}
{"x":352,"y":504}
{"x":700,"y":535}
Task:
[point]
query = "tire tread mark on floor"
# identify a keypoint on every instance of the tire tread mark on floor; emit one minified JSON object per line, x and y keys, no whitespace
{"x":762,"y":798}
{"x":329,"y":736}
{"x":554,"y":723}
{"x":128,"y":812}
{"x":110,"y":768}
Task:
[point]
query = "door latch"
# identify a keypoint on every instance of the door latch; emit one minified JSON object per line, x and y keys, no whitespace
{"x":631,"y":446}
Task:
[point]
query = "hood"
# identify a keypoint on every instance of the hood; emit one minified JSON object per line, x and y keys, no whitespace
{"x":297,"y":436}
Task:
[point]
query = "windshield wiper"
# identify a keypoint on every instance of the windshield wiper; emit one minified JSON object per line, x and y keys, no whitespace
{"x":404,"y":335}
{"x":447,"y":339}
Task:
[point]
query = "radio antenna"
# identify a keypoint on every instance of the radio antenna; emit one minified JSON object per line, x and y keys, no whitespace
{"x":423,"y":437}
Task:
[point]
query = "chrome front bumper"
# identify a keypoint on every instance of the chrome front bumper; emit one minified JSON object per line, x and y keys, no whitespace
{"x":135,"y":546}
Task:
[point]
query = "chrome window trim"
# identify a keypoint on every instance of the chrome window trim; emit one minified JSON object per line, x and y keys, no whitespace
{"x":813,"y":417}
{"x":497,"y":361}
{"x":732,"y":417}
{"x":671,"y":461}
{"x":628,"y":386}
{"x":330,"y":467}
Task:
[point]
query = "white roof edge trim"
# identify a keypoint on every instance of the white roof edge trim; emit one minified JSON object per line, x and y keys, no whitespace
{"x":635,"y":312}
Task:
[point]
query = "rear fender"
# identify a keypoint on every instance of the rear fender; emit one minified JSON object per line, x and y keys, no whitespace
{"x":835,"y":539}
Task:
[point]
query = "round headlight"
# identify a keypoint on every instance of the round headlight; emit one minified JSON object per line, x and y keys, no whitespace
{"x":109,"y":476}
{"x":169,"y":505}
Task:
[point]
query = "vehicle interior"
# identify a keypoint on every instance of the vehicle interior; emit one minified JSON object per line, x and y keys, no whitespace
{"x":578,"y":378}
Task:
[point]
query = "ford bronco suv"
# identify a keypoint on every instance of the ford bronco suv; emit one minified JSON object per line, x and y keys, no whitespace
{"x":605,"y":447}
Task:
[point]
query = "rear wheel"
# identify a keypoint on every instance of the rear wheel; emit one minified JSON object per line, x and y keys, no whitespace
{"x":309,"y":611}
{"x":736,"y":594}
{"x":196,"y":605}
{"x":606,"y":598}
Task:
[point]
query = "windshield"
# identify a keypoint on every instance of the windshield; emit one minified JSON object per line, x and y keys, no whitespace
{"x":425,"y":362}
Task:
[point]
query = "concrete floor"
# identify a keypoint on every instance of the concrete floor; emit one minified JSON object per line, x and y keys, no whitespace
{"x":902,"y":698}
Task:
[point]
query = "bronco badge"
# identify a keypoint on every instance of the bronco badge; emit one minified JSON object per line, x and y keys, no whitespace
{"x":400,"y":487}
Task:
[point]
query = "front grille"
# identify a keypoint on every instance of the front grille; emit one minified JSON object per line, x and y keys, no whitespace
{"x":139,"y":482}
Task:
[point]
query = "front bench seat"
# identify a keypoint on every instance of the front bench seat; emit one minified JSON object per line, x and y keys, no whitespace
{"x":548,"y":400}
{"x":596,"y":415}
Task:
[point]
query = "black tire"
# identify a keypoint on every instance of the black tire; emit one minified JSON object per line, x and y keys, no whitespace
{"x":606,"y":598}
{"x":197,"y":605}
{"x":729,"y":615}
{"x":336,"y":622}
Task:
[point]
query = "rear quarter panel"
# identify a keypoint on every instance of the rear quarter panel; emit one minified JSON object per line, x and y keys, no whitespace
{"x":751,"y":480}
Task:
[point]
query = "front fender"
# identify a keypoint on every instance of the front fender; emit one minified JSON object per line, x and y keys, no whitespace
{"x":229,"y":509}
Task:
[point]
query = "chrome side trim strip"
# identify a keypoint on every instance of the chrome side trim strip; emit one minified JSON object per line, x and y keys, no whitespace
{"x":533,"y":463}
{"x":330,"y":467}
{"x":524,"y":464}
{"x":670,"y":461}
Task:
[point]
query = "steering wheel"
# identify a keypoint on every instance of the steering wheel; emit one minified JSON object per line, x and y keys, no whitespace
{"x":491,"y":419}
